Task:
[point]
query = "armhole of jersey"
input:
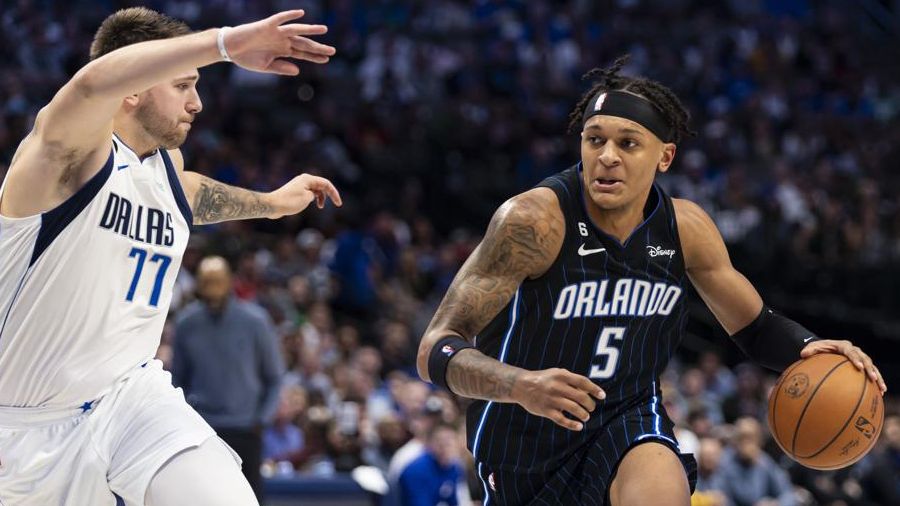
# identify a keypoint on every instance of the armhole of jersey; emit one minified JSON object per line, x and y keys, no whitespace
{"x":673,"y":227}
{"x":54,"y":221}
{"x":177,"y":190}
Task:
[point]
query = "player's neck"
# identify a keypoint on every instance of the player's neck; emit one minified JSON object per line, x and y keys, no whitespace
{"x":136,"y":139}
{"x":618,"y":223}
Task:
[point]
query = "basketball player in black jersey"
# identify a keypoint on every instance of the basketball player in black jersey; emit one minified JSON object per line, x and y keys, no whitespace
{"x":563,"y":318}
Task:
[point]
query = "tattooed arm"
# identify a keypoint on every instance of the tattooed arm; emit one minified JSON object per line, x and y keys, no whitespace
{"x":522,"y":241}
{"x":214,"y":202}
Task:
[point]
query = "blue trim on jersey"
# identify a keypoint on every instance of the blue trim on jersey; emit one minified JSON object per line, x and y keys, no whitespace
{"x":513,"y":314}
{"x":54,"y":221}
{"x":657,"y":434}
{"x":487,"y":495}
{"x":659,"y":201}
{"x":177,"y":191}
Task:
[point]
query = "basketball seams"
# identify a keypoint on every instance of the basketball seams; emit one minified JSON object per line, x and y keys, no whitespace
{"x":773,"y":423}
{"x":861,"y":454}
{"x":843,"y":427}
{"x":806,"y":406}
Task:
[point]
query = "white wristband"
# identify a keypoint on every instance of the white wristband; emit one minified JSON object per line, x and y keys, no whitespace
{"x":220,"y":41}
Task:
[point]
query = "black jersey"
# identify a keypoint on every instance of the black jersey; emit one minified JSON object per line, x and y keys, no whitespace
{"x":609,"y":311}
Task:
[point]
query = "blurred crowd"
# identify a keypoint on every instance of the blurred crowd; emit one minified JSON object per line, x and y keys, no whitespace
{"x":434,"y":112}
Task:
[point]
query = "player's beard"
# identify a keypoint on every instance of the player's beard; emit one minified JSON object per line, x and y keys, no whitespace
{"x":164,"y":130}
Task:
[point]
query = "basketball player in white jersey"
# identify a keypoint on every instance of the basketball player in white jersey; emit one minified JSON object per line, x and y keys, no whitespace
{"x":94,"y":217}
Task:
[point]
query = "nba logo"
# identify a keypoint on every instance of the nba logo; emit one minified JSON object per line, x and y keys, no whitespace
{"x":447,"y":350}
{"x":491,"y":482}
{"x":600,"y":100}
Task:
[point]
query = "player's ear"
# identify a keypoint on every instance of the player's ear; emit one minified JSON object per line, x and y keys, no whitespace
{"x":666,"y":157}
{"x":131,"y":101}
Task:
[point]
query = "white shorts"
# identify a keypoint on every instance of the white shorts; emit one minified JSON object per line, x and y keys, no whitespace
{"x":93,"y":455}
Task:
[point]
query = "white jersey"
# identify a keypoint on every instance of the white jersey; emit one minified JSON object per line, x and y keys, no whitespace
{"x":85,"y":287}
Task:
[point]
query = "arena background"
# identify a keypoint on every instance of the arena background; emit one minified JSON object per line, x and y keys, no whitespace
{"x":435,"y":112}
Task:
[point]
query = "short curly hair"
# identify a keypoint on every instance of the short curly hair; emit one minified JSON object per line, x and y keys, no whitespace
{"x":660,"y":96}
{"x":133,"y":25}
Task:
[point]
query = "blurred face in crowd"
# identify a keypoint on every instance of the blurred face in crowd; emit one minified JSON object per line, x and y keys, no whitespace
{"x":620,"y":159}
{"x":444,"y":445}
{"x":214,"y":281}
{"x":166,"y":111}
{"x":747,"y":439}
{"x":892,"y":432}
{"x":709,"y":455}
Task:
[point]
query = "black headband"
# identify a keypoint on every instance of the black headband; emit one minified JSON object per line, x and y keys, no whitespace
{"x":629,"y":106}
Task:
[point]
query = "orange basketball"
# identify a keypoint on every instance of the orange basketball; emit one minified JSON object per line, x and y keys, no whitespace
{"x":824,"y":412}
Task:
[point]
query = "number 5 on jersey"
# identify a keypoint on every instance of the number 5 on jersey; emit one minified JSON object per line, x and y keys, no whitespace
{"x":605,"y":350}
{"x":162,"y":260}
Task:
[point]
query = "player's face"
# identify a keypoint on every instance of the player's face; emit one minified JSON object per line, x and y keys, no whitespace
{"x":620,"y":159}
{"x":167,"y":110}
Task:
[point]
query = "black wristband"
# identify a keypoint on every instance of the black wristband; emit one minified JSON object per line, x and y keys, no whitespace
{"x":440,"y":356}
{"x":772,"y":340}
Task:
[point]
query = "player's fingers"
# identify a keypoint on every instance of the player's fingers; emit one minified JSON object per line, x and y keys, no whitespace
{"x":573,"y":408}
{"x":320,"y":200}
{"x":580,"y":382}
{"x":868,"y":365}
{"x":321,"y":184}
{"x":300,"y":29}
{"x":310,"y":57}
{"x":855,"y":355}
{"x":285,"y":16}
{"x":820,"y":347}
{"x":581,"y":397}
{"x":283,"y":67}
{"x":561,"y":420}
{"x":304,"y":44}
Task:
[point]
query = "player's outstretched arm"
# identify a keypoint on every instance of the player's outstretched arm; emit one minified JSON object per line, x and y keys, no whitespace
{"x":214,"y":202}
{"x":71,"y":137}
{"x":522,"y":241}
{"x":768,"y":338}
{"x":83,"y":109}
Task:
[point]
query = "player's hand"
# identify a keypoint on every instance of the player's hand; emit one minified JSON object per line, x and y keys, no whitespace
{"x":846,"y":348}
{"x":299,"y":192}
{"x":261,"y":46}
{"x":552,"y":392}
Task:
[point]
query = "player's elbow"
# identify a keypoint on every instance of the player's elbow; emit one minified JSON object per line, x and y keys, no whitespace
{"x":422,"y":357}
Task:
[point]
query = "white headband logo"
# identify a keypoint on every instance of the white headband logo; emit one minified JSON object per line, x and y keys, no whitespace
{"x":600,"y":100}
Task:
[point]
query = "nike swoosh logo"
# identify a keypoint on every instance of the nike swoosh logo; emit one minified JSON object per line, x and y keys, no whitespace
{"x":808,"y":339}
{"x":120,"y":167}
{"x":585,"y":252}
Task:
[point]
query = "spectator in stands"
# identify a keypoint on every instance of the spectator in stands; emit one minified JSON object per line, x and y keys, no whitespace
{"x":749,"y":398}
{"x":228,"y":361}
{"x":749,"y":477}
{"x":284,"y":439}
{"x":709,"y":491}
{"x":432,"y":479}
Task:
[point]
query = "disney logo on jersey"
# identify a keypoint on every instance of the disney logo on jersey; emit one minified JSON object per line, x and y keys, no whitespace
{"x":657,"y":251}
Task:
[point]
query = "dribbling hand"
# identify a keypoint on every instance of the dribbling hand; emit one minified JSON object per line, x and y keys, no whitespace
{"x":261,"y":46}
{"x":552,"y":392}
{"x":299,"y":192}
{"x":854,"y":353}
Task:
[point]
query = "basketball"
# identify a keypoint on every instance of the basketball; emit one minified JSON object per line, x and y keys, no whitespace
{"x":824,"y":412}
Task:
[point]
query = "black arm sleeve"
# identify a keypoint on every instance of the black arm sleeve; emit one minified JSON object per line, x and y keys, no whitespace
{"x":772,"y":340}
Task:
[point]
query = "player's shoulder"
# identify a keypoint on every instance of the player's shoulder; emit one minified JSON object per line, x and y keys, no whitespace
{"x":528,"y":226}
{"x":691,"y":218}
{"x":700,"y":238}
{"x":533,"y":206}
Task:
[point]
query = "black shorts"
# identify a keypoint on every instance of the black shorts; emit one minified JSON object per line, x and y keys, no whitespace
{"x":584,"y":477}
